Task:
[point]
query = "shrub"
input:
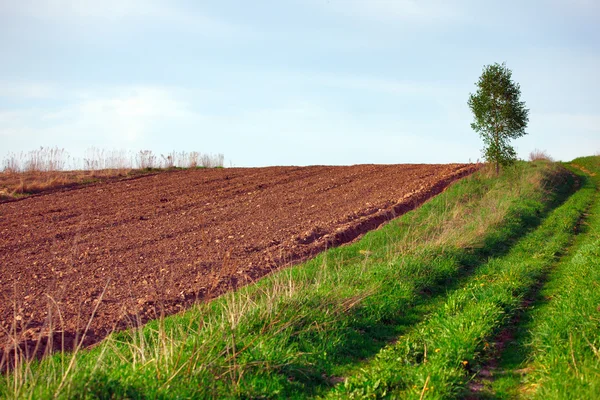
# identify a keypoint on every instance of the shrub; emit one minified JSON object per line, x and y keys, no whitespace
{"x":539,"y":155}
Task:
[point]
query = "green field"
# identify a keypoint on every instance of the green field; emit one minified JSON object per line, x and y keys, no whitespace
{"x":489,"y":290}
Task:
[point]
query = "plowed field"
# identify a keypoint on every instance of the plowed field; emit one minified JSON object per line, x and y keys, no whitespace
{"x":140,"y":248}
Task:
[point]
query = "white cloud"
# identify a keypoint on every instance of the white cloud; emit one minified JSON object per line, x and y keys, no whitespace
{"x":303,"y":128}
{"x":124,"y":118}
{"x":301,"y":131}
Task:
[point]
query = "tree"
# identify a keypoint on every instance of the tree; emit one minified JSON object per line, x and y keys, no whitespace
{"x":499,"y":113}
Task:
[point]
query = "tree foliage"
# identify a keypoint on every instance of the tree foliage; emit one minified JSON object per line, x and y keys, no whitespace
{"x":499,"y":114}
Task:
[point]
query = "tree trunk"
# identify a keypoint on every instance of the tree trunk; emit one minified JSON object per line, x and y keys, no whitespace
{"x":496,"y":136}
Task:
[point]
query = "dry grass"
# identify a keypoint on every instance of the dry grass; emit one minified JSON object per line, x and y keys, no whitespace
{"x":14,"y":185}
{"x":44,"y":169}
{"x":99,"y":159}
{"x":44,"y":159}
{"x":52,"y":159}
{"x":5,"y":195}
{"x":462,"y":221}
{"x":540,"y":155}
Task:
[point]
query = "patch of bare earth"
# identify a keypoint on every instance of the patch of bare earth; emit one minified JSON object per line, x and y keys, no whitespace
{"x":137,"y":249}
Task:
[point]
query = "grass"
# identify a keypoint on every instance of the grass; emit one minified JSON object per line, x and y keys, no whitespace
{"x":566,"y":331}
{"x":300,"y":331}
{"x":555,"y":354}
{"x":43,"y":170}
{"x":439,"y":356}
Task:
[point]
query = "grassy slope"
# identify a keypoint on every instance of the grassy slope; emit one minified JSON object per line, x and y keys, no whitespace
{"x":556,"y":350}
{"x":438,"y":356}
{"x":566,"y":332}
{"x":293,"y":333}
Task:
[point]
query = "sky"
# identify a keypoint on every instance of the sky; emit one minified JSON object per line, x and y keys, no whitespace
{"x":293,"y":82}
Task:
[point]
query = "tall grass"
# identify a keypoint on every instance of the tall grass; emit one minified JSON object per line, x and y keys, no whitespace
{"x":99,"y":159}
{"x":53,"y":159}
{"x":296,"y":332}
{"x":45,"y":169}
{"x":44,"y":159}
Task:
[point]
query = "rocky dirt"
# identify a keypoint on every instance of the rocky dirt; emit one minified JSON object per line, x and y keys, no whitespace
{"x":136,"y":249}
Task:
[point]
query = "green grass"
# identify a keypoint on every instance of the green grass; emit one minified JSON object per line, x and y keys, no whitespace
{"x":566,"y":331}
{"x":439,"y":356}
{"x":555,"y":354}
{"x":296,"y":332}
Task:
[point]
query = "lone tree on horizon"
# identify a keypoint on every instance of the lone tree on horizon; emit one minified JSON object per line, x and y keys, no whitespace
{"x":499,"y":114}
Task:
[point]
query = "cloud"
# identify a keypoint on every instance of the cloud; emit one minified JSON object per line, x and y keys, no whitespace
{"x":301,"y":130}
{"x":125,"y":117}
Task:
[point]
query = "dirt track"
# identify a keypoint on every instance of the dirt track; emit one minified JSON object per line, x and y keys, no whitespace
{"x":159,"y":243}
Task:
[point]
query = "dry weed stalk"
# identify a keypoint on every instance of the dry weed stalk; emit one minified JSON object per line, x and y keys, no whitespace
{"x":44,"y":169}
{"x":540,"y":155}
{"x":54,"y":159}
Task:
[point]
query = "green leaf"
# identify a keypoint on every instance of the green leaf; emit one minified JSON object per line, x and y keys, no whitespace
{"x":499,"y":114}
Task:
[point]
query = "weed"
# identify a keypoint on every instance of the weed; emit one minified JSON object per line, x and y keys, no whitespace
{"x":539,"y":155}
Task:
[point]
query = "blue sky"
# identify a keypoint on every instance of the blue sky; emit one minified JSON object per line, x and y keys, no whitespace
{"x":293,"y":82}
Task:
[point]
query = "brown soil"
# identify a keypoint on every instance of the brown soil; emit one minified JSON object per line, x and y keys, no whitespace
{"x":154,"y":245}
